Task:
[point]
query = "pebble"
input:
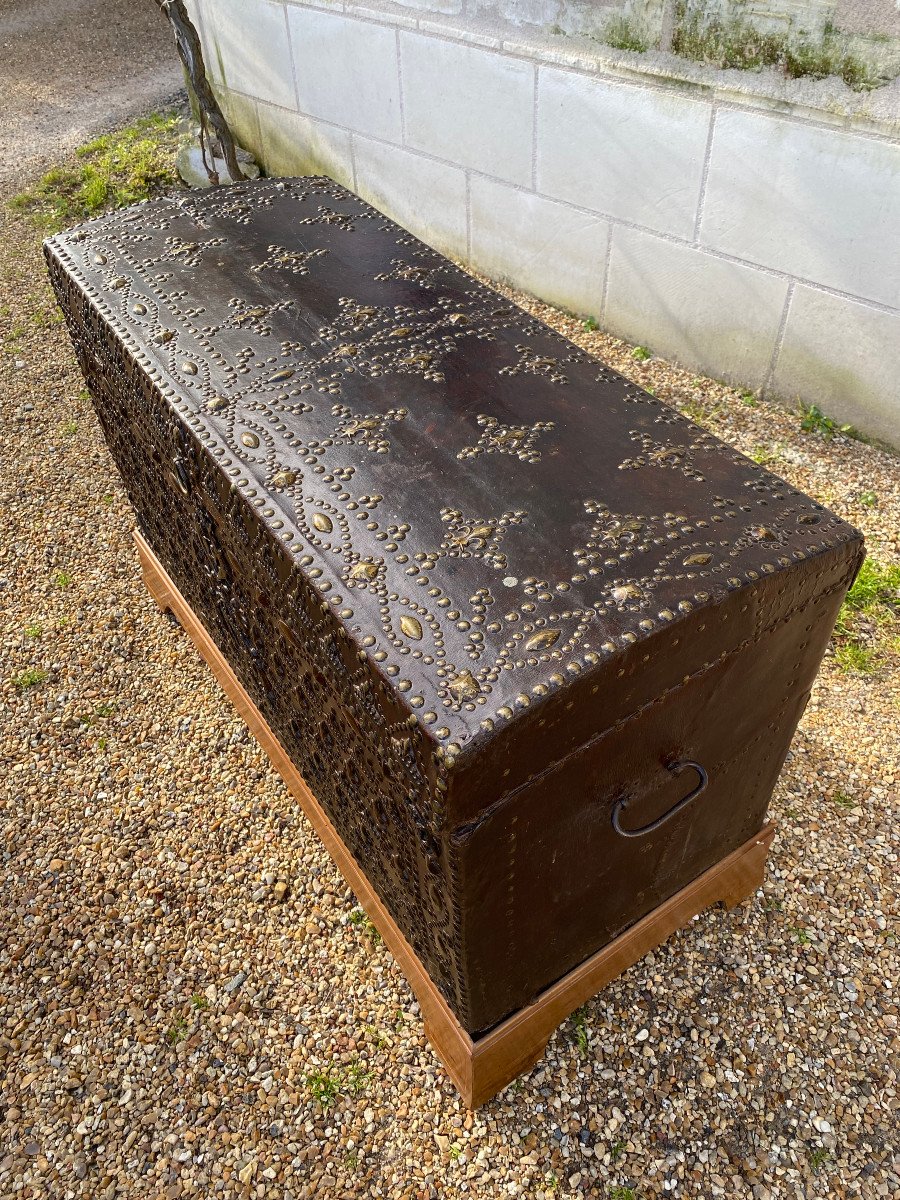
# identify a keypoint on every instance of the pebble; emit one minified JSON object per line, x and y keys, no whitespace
{"x":168,"y":1010}
{"x":235,"y":982}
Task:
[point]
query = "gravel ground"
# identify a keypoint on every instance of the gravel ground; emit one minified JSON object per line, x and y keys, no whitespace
{"x":74,"y":68}
{"x":184,"y":976}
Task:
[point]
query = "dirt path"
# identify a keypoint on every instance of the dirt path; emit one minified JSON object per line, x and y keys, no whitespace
{"x":72,"y":68}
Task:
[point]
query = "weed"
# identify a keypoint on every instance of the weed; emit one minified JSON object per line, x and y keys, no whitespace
{"x":750,"y":399}
{"x":843,"y":800}
{"x":868,"y":499}
{"x":351,"y":1160}
{"x":355,"y":1079}
{"x":455,"y":1152}
{"x":377,"y":1036}
{"x":700,"y":412}
{"x":813,"y":420}
{"x":762,"y":454}
{"x":177,"y":1031}
{"x":33,"y":631}
{"x":800,"y":935}
{"x":109,"y":172}
{"x":326,"y":1086}
{"x":551,"y":1182}
{"x":199,"y":1001}
{"x":29,"y":678}
{"x":581,"y":1034}
{"x":62,"y":579}
{"x":616,"y":1150}
{"x":623,"y":33}
{"x":364,"y":925}
{"x":641,"y":353}
{"x":105,"y":710}
{"x":591,"y":325}
{"x":101,"y":743}
{"x":622,"y":1193}
{"x":69,"y":428}
{"x":817,"y":1157}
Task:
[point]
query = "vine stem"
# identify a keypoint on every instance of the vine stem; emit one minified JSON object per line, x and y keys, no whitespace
{"x":211,"y":117}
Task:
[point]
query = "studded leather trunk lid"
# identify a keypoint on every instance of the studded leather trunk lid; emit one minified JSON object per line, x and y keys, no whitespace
{"x":443,"y":548}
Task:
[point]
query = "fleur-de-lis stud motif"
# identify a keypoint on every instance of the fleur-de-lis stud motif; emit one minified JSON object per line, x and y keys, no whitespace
{"x":496,"y":438}
{"x":365,"y":429}
{"x":295,"y":262}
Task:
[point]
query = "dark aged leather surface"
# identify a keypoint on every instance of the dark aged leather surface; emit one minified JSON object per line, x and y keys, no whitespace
{"x":492,"y":597}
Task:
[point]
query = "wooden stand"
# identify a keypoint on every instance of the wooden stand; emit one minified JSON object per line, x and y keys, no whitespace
{"x":483,"y":1067}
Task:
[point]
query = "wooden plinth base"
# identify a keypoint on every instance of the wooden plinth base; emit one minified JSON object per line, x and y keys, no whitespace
{"x":479,"y":1068}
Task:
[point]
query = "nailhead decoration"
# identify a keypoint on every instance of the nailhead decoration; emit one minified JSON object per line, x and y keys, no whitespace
{"x":414,"y":517}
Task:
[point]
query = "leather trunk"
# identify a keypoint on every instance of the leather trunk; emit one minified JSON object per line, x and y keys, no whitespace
{"x":537,"y":643}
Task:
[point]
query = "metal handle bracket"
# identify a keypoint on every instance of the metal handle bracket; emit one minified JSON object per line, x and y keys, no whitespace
{"x":676,"y":768}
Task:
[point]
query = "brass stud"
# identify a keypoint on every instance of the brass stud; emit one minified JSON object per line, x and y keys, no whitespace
{"x":543,"y":640}
{"x":363,"y":570}
{"x":463,"y":686}
{"x":627,"y":591}
{"x":411,"y":627}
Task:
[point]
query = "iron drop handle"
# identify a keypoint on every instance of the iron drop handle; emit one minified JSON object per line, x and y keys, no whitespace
{"x":676,"y":768}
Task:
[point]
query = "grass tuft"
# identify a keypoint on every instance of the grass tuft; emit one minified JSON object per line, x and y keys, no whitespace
{"x":876,"y":585}
{"x":870,"y":610}
{"x":109,"y":172}
{"x":29,"y":678}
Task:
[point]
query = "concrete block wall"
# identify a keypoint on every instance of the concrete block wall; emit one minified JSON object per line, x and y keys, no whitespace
{"x":753,"y":237}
